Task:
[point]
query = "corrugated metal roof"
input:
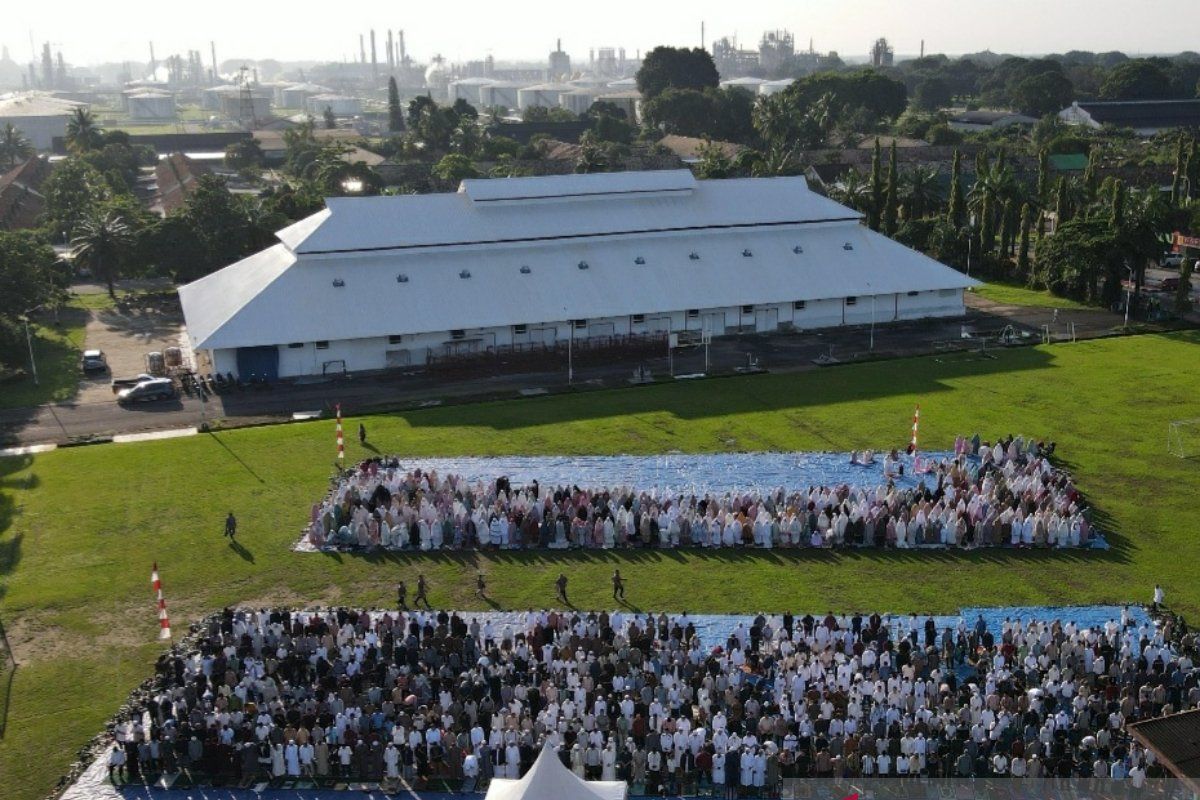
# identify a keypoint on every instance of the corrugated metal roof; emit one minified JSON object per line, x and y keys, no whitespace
{"x":280,"y":296}
{"x":1176,"y":738}
{"x":560,"y":207}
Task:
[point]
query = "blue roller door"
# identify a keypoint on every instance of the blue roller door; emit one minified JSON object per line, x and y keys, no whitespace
{"x":261,"y":362}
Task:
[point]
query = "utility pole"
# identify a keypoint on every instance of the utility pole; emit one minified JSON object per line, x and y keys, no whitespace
{"x":29,"y":342}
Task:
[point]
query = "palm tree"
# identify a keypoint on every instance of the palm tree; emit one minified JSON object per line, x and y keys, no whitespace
{"x":14,"y":146}
{"x":853,"y":190}
{"x":101,"y":243}
{"x":83,"y":134}
{"x":920,"y":193}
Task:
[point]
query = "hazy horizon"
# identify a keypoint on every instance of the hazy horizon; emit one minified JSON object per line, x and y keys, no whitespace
{"x":88,"y":33}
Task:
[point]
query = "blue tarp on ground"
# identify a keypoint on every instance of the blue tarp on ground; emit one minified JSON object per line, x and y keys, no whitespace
{"x":717,"y":472}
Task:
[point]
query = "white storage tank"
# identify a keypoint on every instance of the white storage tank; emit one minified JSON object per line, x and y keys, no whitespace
{"x":577,"y":101}
{"x":340,"y":104}
{"x":151,"y":105}
{"x":547,"y":95}
{"x":775,"y":87}
{"x":747,"y":83}
{"x":468,"y":89}
{"x":501,"y":93}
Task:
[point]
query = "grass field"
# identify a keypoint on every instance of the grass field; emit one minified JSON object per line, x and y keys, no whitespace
{"x":56,"y":349}
{"x":79,"y":528}
{"x":1011,"y":294}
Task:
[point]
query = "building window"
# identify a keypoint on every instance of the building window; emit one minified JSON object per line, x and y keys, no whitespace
{"x":693,"y":313}
{"x":579,"y":324}
{"x":395,"y":339}
{"x":458,"y":334}
{"x":520,"y":330}
{"x":295,"y":345}
{"x":322,"y":345}
{"x":798,"y":305}
{"x":747,"y":309}
{"x":913,"y":294}
{"x":638,"y":319}
{"x":850,"y":301}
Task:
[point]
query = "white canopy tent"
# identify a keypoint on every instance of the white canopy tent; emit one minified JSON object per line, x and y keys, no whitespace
{"x":548,"y":779}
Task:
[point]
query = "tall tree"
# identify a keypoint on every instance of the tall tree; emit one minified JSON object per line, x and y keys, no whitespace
{"x":920,"y":193}
{"x":676,"y":68}
{"x":330,"y":118}
{"x":14,"y":146}
{"x":102,"y":243}
{"x":957,"y":210}
{"x":987,"y":225}
{"x":1062,"y":203}
{"x":892,"y":200}
{"x":1180,"y":170}
{"x":395,"y":110}
{"x":1043,"y":175}
{"x":1023,"y":243}
{"x":83,"y":134}
{"x":873,"y":214}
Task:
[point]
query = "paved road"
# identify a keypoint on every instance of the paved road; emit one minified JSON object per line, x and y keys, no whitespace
{"x":100,"y":417}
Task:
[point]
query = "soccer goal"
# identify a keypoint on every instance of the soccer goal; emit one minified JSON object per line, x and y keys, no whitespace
{"x":1183,"y":438}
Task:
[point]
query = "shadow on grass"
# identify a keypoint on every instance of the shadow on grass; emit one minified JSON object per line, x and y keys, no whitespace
{"x":235,"y":456}
{"x":737,"y":394}
{"x":10,"y":549}
{"x":726,"y":556}
{"x":241,"y":550}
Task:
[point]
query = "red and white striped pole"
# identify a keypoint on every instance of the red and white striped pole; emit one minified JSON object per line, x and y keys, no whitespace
{"x":164,"y":624}
{"x":916,"y":423}
{"x":341,"y":440}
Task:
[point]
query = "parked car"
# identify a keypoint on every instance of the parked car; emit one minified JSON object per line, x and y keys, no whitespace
{"x":146,"y":391}
{"x":93,"y":361}
{"x":1172,"y":260}
{"x":128,"y":383}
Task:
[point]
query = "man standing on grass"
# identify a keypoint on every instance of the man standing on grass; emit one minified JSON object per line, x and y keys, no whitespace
{"x":560,"y":587}
{"x":231,"y":525}
{"x":618,"y":585}
{"x":422,"y":593}
{"x":402,"y":596}
{"x":480,"y":585}
{"x":362,"y":434}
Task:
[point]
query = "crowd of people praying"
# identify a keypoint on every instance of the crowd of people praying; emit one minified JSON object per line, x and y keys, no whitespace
{"x":986,"y":495}
{"x":429,"y":696}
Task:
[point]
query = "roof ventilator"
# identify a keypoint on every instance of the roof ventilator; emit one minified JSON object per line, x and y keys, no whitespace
{"x":338,"y":283}
{"x":639,"y":261}
{"x":525,"y":270}
{"x":401,"y":278}
{"x":583,"y":265}
{"x":847,"y":246}
{"x":694,"y":256}
{"x":466,"y":273}
{"x":747,"y":254}
{"x":797,"y":249}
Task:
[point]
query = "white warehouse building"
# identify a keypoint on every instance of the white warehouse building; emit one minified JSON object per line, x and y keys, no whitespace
{"x":376,"y":282}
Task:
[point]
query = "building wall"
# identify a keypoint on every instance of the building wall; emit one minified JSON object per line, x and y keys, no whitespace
{"x":412,"y":350}
{"x":40,"y":131}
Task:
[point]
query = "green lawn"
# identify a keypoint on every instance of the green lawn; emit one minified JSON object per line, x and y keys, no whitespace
{"x":1011,"y":294}
{"x":79,"y":528}
{"x":56,"y":349}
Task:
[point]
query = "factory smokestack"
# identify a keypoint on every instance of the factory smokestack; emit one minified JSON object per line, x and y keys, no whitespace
{"x":403,"y":52}
{"x":213,"y":47}
{"x":362,"y":50}
{"x":391,"y":52}
{"x":374,"y":60}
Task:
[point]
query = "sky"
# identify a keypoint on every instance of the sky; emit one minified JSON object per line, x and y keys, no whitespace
{"x":91,"y":32}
